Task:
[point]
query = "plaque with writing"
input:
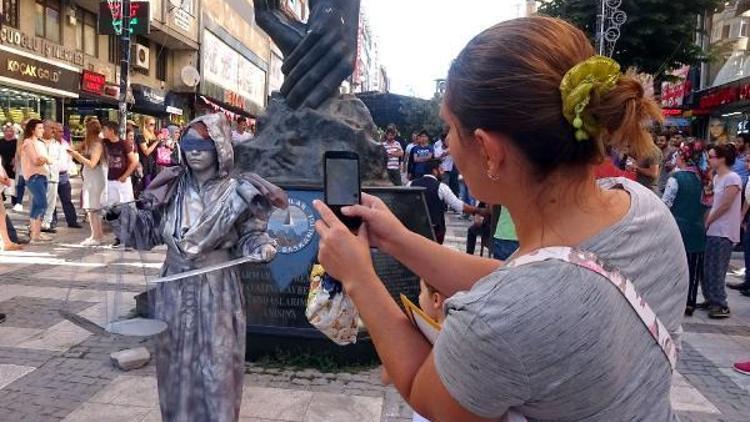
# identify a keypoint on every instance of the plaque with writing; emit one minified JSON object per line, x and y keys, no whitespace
{"x":276,"y":293}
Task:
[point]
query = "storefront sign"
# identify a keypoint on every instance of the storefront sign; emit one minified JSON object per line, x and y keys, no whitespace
{"x":182,"y":19}
{"x":227,"y":69}
{"x":234,"y":99}
{"x":673,"y":93}
{"x":40,"y":46}
{"x":149,"y":99}
{"x":174,"y":110}
{"x":35,"y":72}
{"x":93,"y":83}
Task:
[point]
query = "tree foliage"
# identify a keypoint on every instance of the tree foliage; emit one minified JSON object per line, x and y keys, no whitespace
{"x":658,"y":36}
{"x":421,"y":114}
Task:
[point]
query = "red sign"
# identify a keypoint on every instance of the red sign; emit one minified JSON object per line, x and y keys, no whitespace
{"x":673,"y":93}
{"x":234,"y":99}
{"x":93,"y":82}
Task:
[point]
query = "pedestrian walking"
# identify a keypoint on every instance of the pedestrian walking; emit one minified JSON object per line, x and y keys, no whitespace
{"x":722,"y":230}
{"x":438,"y":196}
{"x":92,"y":156}
{"x":682,"y":194}
{"x":395,"y":154}
{"x":668,"y":162}
{"x":64,"y":189}
{"x":121,"y":163}
{"x":20,"y":181}
{"x":550,"y":334}
{"x":35,"y":164}
{"x":55,"y":153}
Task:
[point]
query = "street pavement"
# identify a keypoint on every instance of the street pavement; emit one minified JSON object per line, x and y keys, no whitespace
{"x":52,"y":370}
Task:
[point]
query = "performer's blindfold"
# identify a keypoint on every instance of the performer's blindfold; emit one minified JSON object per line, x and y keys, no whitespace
{"x":192,"y":140}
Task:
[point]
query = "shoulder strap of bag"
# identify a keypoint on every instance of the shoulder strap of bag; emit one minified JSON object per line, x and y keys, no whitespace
{"x":592,"y":263}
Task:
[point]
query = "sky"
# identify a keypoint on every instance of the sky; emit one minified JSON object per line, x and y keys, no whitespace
{"x":418,"y":39}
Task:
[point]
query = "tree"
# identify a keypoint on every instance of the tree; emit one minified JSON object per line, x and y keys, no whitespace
{"x":421,"y":114}
{"x":658,"y":36}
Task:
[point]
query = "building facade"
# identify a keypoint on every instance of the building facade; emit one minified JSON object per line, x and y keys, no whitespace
{"x":56,"y":64}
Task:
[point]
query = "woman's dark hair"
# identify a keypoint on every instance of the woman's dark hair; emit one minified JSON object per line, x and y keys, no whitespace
{"x":28,"y":131}
{"x":507,"y":79}
{"x":727,"y":152}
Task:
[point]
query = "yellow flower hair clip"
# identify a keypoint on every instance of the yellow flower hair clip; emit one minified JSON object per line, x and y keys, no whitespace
{"x":597,"y":73}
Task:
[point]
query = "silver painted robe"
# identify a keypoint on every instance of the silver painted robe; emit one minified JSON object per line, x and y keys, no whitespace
{"x":200,"y":358}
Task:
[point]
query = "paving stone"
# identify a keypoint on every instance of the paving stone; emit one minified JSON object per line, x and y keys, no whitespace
{"x":39,"y":313}
{"x":326,"y":407}
{"x":272,"y":403}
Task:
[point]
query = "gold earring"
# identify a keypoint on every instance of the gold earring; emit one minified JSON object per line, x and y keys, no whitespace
{"x":492,"y":177}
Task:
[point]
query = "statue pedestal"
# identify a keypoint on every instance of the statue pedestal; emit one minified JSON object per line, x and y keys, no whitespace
{"x":276,"y":293}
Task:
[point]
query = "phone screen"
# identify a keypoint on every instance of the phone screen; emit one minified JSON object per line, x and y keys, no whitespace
{"x":342,"y":181}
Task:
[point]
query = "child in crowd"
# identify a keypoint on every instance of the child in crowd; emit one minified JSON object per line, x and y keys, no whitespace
{"x":431,"y":302}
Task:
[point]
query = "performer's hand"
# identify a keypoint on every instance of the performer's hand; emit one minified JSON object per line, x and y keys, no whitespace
{"x":344,"y":255}
{"x":267,"y":253}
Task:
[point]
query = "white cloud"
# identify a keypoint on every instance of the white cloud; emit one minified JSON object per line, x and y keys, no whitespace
{"x":418,"y":39}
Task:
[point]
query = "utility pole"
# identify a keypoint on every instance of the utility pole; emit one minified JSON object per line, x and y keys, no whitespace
{"x":124,"y":67}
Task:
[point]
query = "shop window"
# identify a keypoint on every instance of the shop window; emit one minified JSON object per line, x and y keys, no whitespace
{"x":161,"y":63}
{"x":86,"y":38}
{"x":47,"y":24}
{"x":10,"y":13}
{"x":725,"y":32}
{"x":743,"y":28}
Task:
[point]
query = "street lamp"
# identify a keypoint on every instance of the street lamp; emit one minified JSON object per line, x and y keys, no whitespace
{"x":609,"y":21}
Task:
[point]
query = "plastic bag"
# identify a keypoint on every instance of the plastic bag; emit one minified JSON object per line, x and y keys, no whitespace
{"x":330,"y":310}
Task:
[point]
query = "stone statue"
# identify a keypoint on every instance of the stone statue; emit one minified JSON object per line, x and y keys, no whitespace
{"x":206,"y":214}
{"x":319,"y":55}
{"x":308,"y":116}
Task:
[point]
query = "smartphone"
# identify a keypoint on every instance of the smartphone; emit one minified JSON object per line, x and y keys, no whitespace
{"x":342,"y":184}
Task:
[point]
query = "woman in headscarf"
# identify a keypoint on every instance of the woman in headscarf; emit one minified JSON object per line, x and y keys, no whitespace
{"x":205,"y":214}
{"x":682,"y":194}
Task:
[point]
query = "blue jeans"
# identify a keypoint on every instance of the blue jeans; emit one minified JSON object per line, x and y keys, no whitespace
{"x":465,"y":194}
{"x":504,"y":249}
{"x":37,"y":185}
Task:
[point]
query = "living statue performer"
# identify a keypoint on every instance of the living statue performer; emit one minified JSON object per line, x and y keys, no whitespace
{"x":206,"y":214}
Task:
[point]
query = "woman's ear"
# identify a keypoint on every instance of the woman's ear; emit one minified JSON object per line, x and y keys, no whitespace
{"x":492,"y":151}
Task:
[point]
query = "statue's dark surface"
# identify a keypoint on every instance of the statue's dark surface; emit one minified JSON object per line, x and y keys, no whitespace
{"x":309,"y":116}
{"x":318,"y":55}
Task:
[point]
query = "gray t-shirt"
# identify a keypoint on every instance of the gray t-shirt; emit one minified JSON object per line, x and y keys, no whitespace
{"x":558,"y":342}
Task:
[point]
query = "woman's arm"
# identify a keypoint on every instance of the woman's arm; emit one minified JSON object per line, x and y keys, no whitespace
{"x":96,"y":155}
{"x":405,"y":353}
{"x":448,"y":270}
{"x":150,"y":148}
{"x":726,"y":204}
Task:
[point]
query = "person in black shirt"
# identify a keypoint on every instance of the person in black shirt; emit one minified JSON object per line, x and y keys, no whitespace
{"x":8,"y":145}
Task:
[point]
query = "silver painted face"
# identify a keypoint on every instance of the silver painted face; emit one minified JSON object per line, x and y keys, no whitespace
{"x":201,"y":160}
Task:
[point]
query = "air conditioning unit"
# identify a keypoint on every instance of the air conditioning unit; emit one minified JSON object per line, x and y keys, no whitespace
{"x":141,"y":57}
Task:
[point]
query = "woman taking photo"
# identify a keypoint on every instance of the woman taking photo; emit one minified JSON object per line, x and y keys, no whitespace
{"x":682,"y":194}
{"x":546,"y":335}
{"x":722,"y":229}
{"x":35,"y":163}
{"x":91,"y":156}
{"x":148,"y":142}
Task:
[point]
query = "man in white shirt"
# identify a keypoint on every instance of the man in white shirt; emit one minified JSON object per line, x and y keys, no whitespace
{"x":242,"y":133}
{"x":450,"y":172}
{"x":55,"y":153}
{"x":438,"y":195}
{"x":64,"y":189}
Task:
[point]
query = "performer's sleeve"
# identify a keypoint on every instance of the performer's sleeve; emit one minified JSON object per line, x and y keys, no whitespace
{"x":254,"y":229}
{"x":138,"y":228}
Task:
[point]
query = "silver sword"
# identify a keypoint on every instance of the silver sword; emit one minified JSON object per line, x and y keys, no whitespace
{"x":204,"y":270}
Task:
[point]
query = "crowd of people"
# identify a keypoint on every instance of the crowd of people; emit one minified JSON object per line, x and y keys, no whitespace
{"x":40,"y":158}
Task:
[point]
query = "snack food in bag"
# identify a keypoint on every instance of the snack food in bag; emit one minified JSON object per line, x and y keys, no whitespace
{"x":329,"y":309}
